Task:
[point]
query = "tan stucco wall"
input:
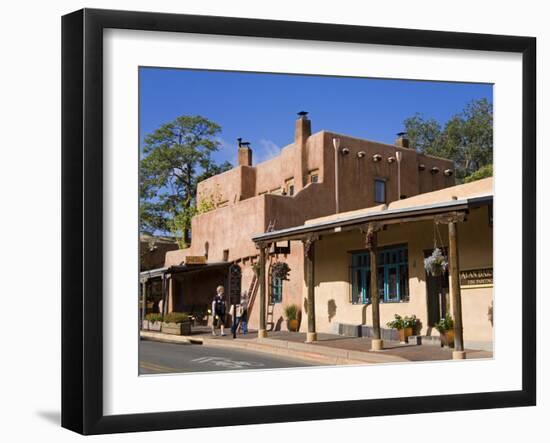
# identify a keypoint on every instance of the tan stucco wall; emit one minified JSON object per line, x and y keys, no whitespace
{"x":356,"y":175}
{"x":333,"y":258}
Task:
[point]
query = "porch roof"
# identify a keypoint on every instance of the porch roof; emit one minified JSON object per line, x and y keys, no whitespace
{"x":179,"y":269}
{"x":455,"y":198}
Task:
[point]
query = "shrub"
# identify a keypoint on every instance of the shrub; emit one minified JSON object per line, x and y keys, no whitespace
{"x":176,"y":317}
{"x":445,"y":324}
{"x":291,"y":312}
{"x":153,"y":317}
{"x":399,"y":322}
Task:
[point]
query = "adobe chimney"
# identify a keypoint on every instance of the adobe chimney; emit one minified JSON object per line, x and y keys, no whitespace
{"x":245,"y":153}
{"x":301,"y":134}
{"x":402,"y":140}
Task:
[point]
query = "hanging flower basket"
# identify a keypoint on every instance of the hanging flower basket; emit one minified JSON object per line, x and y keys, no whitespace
{"x":436,"y":264}
{"x":280,"y":270}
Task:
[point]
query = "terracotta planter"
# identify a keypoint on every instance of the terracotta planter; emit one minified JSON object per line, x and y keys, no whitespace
{"x":448,"y":338}
{"x":177,"y":328}
{"x":292,"y":325}
{"x":404,"y":333}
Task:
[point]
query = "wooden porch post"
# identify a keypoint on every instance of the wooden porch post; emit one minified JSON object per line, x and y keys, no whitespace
{"x":309,"y":267}
{"x":164,"y":310}
{"x":170,"y":283}
{"x":452,"y":219}
{"x":455,"y":288}
{"x":372,"y":245}
{"x":262,"y":332}
{"x":143,"y":301}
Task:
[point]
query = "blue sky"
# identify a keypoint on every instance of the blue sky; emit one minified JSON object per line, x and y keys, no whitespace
{"x":262,"y":108}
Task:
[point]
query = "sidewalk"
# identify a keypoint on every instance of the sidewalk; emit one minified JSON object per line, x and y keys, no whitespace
{"x":329,"y":349}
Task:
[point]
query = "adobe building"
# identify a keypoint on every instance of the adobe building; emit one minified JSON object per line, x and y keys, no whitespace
{"x":322,"y":174}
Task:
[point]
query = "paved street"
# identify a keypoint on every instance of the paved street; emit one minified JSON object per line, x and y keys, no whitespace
{"x":158,"y":358}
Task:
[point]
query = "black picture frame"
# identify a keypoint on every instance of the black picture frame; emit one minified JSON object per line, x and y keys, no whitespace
{"x":82,"y":190}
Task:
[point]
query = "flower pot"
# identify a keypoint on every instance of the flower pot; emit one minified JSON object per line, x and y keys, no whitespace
{"x":292,"y":325}
{"x":177,"y":328}
{"x":404,"y":333}
{"x":448,"y":338}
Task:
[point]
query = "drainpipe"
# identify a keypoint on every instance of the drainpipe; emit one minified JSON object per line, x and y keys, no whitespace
{"x":336,"y":144}
{"x":398,"y":157}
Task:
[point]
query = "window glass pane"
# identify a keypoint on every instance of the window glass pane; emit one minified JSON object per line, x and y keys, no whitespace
{"x":392,"y":294}
{"x":276,"y":290}
{"x":379,"y":191}
{"x":358,"y":286}
{"x":381,"y":283}
{"x":404,"y":282}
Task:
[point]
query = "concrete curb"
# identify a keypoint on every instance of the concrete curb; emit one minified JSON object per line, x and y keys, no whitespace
{"x":301,"y":351}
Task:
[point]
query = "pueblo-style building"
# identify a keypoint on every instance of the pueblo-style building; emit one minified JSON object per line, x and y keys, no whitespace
{"x":270,"y":212}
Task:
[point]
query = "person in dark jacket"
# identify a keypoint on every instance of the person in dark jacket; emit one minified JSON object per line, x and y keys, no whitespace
{"x":218,"y":310}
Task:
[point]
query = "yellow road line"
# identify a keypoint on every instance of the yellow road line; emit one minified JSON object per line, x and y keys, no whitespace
{"x":157,"y":368}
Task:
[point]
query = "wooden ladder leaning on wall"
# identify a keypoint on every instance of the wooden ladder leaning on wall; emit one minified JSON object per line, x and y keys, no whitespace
{"x":254,"y":284}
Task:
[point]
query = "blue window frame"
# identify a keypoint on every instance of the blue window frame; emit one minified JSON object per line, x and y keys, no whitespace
{"x":276,"y":290}
{"x":393,"y":276}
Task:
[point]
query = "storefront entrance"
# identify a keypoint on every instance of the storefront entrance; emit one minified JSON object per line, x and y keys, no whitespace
{"x":437,"y":294}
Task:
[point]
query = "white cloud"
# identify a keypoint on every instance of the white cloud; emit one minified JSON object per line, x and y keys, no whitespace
{"x":266,"y":151}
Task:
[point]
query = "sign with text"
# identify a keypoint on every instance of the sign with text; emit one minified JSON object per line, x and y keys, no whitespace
{"x":471,"y":277}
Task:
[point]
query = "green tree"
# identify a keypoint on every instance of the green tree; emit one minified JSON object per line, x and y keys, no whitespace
{"x":176,"y":156}
{"x":467,"y":138}
{"x":483,"y":172}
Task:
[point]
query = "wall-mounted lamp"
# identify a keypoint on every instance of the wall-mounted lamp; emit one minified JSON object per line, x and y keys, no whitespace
{"x":344,"y":151}
{"x":434,"y":170}
{"x":391,"y":159}
{"x":361,"y":154}
{"x":448,"y":172}
{"x":421,"y":167}
{"x":376,"y":158}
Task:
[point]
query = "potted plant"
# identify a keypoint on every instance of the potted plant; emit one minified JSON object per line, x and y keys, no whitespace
{"x":176,"y":323}
{"x":280,"y":270}
{"x":291,"y":313}
{"x":436,"y":264}
{"x":152,"y":322}
{"x":405,"y":325}
{"x":445,"y":327}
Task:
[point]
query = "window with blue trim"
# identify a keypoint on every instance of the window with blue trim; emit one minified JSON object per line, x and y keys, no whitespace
{"x":393,"y":276}
{"x":276,"y":290}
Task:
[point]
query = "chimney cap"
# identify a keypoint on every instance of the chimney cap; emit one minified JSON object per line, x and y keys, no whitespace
{"x":303,"y":114}
{"x":401,"y":134}
{"x":240,"y":141}
{"x":245,"y":144}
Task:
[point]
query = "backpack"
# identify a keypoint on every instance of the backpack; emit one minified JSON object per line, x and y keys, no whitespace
{"x":220,"y":306}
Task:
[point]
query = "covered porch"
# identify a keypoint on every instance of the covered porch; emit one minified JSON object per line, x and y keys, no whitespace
{"x":184,"y":288}
{"x":447,"y":210}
